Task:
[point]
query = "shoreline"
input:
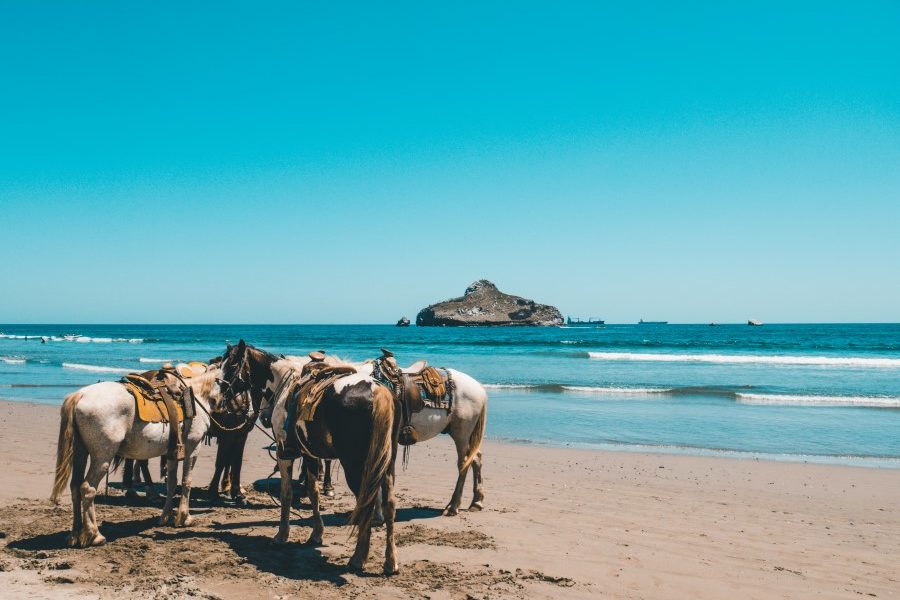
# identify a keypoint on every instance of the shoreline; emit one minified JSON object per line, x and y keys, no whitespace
{"x":859,"y":462}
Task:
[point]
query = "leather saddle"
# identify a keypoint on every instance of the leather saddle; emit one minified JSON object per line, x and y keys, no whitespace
{"x":163,"y":396}
{"x":417,"y":387}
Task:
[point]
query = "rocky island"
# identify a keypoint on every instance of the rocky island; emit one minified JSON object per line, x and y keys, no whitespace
{"x":484,"y":304}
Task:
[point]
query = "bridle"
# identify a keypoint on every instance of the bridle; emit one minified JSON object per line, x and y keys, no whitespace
{"x":242,"y":384}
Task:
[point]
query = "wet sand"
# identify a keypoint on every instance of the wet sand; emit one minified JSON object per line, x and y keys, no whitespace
{"x":558,"y":523}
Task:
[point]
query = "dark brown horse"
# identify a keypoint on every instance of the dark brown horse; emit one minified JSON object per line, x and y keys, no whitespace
{"x":231,"y":429}
{"x":356,"y":422}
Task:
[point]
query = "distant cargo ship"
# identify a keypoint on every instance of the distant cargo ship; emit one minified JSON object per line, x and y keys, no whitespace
{"x":643,"y":322}
{"x":584,"y":322}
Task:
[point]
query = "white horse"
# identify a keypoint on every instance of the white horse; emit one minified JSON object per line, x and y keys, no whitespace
{"x":465,"y":423}
{"x":100,"y":421}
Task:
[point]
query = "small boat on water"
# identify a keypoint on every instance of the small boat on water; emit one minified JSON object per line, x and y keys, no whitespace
{"x":584,"y":322}
{"x":643,"y":322}
{"x":754,"y":323}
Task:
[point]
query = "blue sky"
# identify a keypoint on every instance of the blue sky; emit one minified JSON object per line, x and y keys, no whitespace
{"x":325,"y":162}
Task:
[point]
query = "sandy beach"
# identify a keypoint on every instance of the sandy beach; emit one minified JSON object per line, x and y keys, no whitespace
{"x":558,"y":523}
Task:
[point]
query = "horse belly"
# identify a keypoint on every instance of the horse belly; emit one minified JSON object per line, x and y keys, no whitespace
{"x":429,"y":422}
{"x":146,"y":440}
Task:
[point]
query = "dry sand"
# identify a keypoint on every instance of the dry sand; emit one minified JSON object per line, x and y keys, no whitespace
{"x":558,"y":523}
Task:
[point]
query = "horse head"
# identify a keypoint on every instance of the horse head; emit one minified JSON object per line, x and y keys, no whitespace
{"x":246,"y":371}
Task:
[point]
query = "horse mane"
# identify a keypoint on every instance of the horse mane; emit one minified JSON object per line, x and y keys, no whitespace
{"x":203,"y":383}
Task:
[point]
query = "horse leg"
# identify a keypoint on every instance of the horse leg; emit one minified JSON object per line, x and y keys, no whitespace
{"x":212,"y":492}
{"x":328,"y":487}
{"x":90,"y":533}
{"x":237,"y":461}
{"x":128,"y":480}
{"x":171,"y":482}
{"x":361,"y":554}
{"x":144,"y":468}
{"x":312,"y":491}
{"x":389,"y":510}
{"x":79,"y":464}
{"x":285,"y":467}
{"x":452,"y":508}
{"x":478,"y":484}
{"x":183,"y":517}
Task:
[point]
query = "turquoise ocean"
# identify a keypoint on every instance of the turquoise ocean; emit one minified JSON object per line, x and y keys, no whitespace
{"x":821,"y":393}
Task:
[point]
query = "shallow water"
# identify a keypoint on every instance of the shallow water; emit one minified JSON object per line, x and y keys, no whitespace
{"x":827,"y":393}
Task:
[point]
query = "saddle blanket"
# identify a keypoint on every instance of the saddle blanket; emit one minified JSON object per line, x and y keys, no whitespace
{"x":152,"y":410}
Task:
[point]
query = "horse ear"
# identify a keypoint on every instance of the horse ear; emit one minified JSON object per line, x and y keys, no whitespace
{"x":242,"y":344}
{"x":228,"y":348}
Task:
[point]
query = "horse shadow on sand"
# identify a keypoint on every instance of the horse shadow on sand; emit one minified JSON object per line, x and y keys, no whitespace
{"x":293,"y":560}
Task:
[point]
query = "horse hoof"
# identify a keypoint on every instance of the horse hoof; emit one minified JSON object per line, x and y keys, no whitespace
{"x":98,"y":540}
{"x":72,"y":540}
{"x":356,"y":566}
{"x":241,"y":502}
{"x":279,"y":539}
{"x":314,"y":541}
{"x":450,"y":511}
{"x":329,"y":493}
{"x":183,"y":521}
{"x":391,"y":568}
{"x":475,"y":507}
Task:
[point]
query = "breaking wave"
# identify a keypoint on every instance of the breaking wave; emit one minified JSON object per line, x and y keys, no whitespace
{"x":812,"y":400}
{"x":156,"y":360}
{"x":12,"y":360}
{"x":828,"y":361}
{"x":95,"y":368}
{"x":737,"y":393}
{"x":83,"y":339}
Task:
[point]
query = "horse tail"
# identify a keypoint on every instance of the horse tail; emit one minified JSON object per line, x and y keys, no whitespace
{"x":65,"y":447}
{"x":116,"y":463}
{"x":379,"y":459}
{"x":475,"y":438}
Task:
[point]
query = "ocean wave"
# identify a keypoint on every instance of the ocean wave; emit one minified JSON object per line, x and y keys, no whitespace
{"x":12,"y":360}
{"x":813,"y":400}
{"x":560,"y":388}
{"x":737,"y":393}
{"x":156,"y":360}
{"x":83,"y":339}
{"x":826,"y":361}
{"x":95,"y":368}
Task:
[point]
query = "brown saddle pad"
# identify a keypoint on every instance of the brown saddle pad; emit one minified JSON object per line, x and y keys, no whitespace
{"x":147,"y":389}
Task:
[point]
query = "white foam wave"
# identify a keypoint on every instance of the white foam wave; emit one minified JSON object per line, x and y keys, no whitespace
{"x":12,"y":360}
{"x":509,"y":386}
{"x":83,"y":339}
{"x":156,"y":360}
{"x":95,"y":368}
{"x":827,"y":361}
{"x":810,"y":400}
{"x":614,"y":390}
{"x":580,"y":389}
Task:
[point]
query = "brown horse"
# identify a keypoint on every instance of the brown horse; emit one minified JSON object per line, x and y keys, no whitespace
{"x":356,"y":424}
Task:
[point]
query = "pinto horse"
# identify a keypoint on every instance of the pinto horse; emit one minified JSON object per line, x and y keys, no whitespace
{"x":100,"y":422}
{"x":356,"y":424}
{"x":465,"y":422}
